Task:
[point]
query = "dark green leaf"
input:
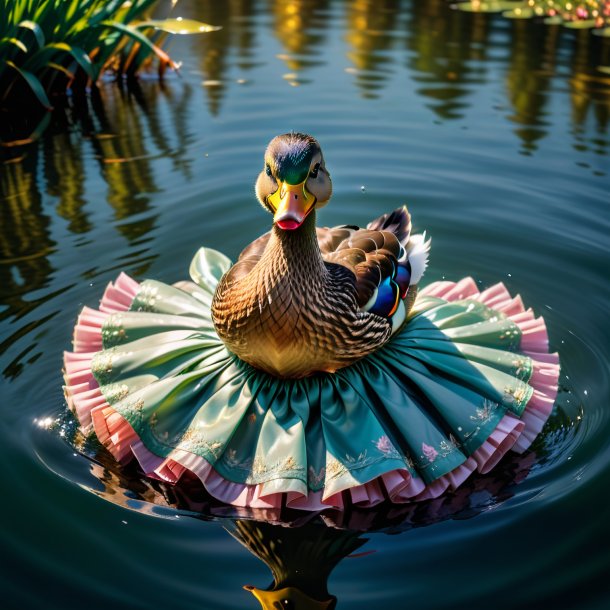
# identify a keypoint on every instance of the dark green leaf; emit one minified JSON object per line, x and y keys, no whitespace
{"x":34,"y":84}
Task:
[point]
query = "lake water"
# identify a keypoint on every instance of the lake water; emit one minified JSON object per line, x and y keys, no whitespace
{"x":494,"y":132}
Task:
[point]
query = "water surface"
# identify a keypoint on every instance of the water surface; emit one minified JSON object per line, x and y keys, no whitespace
{"x":495,"y":133}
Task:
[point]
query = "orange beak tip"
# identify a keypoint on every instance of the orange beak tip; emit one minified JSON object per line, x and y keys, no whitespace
{"x":289,"y":224}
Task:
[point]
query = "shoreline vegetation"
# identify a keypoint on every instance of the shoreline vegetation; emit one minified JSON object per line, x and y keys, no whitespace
{"x":574,"y":14}
{"x":54,"y":52}
{"x":51,"y":47}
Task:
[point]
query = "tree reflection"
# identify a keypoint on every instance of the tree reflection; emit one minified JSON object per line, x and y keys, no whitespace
{"x":448,"y":52}
{"x":528,"y":79}
{"x":299,"y":26}
{"x":370,"y":29}
{"x":113,"y":133}
{"x":215,"y":51}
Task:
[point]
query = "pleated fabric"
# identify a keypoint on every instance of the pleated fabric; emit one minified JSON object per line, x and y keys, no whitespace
{"x":467,"y":379}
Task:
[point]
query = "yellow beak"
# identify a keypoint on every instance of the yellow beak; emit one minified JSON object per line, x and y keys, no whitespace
{"x":270,"y":600}
{"x":291,"y":204}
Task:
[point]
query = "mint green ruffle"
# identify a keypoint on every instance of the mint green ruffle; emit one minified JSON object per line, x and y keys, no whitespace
{"x":423,"y":403}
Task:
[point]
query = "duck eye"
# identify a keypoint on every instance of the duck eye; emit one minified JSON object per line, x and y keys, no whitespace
{"x":268,"y":169}
{"x":314,"y":171}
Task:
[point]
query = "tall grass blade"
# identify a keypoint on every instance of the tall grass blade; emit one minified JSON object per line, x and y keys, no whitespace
{"x":34,"y":84}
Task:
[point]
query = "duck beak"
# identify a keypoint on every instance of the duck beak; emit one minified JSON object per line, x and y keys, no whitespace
{"x":292,"y":203}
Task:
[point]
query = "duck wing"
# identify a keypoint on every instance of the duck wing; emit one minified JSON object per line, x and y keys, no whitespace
{"x":377,"y":256}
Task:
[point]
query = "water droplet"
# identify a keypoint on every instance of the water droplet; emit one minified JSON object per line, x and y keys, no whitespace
{"x":363,"y":188}
{"x":586,"y":393}
{"x":124,"y":522}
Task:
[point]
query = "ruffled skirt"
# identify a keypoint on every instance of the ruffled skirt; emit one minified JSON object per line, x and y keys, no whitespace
{"x":467,"y":379}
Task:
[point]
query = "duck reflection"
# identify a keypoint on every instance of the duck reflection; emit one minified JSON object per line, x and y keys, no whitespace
{"x":300,"y":559}
{"x":301,"y":549}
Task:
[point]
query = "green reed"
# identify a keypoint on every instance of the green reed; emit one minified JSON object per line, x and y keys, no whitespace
{"x":47,"y":46}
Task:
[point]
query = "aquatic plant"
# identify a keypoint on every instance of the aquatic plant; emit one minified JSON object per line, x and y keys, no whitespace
{"x":49,"y":45}
{"x":575,"y":14}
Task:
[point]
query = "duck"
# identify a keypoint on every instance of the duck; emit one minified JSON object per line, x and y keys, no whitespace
{"x":303,"y":299}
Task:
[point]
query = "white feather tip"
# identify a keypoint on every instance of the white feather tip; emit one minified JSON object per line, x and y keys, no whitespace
{"x":418,"y":249}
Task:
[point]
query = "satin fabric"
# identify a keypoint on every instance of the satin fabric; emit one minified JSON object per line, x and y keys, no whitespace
{"x":422,"y":404}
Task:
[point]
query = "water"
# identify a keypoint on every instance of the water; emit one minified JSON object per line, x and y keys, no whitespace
{"x":496,"y":135}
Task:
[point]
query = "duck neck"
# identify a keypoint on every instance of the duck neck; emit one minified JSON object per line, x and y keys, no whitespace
{"x":295,"y":253}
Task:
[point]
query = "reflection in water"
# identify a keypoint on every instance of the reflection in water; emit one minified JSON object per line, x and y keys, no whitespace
{"x":590,"y":93}
{"x":214,"y":52}
{"x":25,"y":249}
{"x":301,"y":549}
{"x":299,"y":25}
{"x":528,"y":79}
{"x":300,"y":559}
{"x":448,"y":52}
{"x":370,"y":28}
{"x":112,"y":134}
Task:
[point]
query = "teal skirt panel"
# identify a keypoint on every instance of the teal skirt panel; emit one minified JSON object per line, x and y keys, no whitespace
{"x":423,"y":403}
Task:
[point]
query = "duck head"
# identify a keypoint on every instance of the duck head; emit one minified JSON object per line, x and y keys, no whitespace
{"x":289,"y":598}
{"x":294,"y":180}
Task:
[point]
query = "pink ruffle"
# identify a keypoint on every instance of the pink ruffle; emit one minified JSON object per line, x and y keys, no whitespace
{"x":81,"y":389}
{"x":117,"y":435}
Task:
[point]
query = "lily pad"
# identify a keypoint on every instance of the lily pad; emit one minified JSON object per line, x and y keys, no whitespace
{"x":605,"y":32}
{"x":554,"y":20}
{"x":519,"y":13}
{"x":179,"y":26}
{"x":493,"y":6}
{"x":583,"y":24}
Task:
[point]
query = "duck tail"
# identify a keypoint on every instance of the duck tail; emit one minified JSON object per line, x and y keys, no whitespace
{"x":397,"y":222}
{"x":417,"y":252}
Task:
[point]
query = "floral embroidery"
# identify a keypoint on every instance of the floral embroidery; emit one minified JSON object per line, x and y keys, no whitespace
{"x":511,"y":334}
{"x":486,"y":412}
{"x":384,"y":444}
{"x":448,"y":447}
{"x":113,"y":331}
{"x":516,"y":397}
{"x":195,"y":440}
{"x":522,"y":367}
{"x":132,"y":410}
{"x":102,"y":363}
{"x":146,"y":298}
{"x":115,"y":392}
{"x":315,"y":479}
{"x":429,"y":452}
{"x":258,"y":466}
{"x":258,"y":471}
{"x":334,"y":467}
